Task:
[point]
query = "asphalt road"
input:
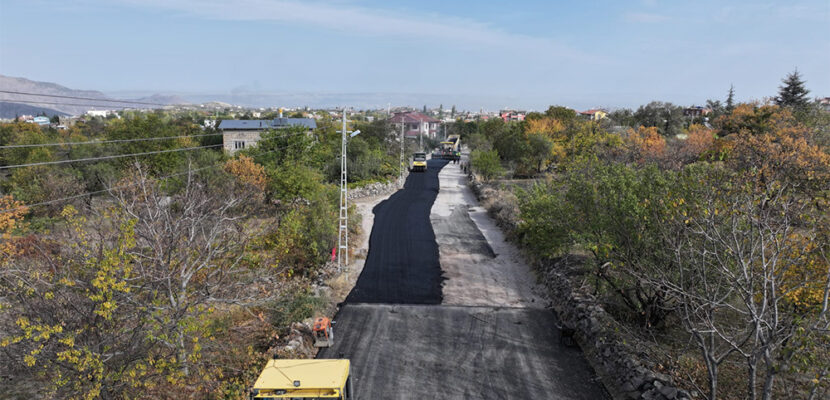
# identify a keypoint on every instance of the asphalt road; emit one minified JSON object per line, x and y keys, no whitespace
{"x":405,"y":344}
{"x":457,"y":352}
{"x":402,"y":264}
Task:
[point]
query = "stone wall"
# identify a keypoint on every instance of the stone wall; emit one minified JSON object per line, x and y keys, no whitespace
{"x":612,"y":353}
{"x":374,"y":189}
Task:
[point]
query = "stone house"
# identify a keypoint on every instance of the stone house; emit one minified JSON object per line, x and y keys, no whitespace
{"x":238,"y":134}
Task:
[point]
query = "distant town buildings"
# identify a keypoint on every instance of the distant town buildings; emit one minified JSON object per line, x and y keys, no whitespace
{"x":696,"y":111}
{"x":99,"y":113}
{"x":241,"y":134}
{"x":415,"y":124}
{"x":41,"y":120}
{"x":512,"y":115}
{"x":594,"y":114}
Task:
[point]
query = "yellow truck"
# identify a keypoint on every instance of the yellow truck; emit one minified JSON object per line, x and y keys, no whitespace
{"x":304,"y":379}
{"x":419,"y":162}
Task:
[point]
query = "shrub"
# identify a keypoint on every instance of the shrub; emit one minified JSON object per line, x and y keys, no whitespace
{"x":486,"y":163}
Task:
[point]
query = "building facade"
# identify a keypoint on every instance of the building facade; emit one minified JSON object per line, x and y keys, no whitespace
{"x":242,"y":134}
{"x":415,"y":124}
{"x":594,"y":114}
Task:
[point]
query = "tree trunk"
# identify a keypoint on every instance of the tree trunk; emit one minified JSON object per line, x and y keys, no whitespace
{"x":751,"y":391}
{"x":768,"y":381}
{"x":181,"y":354}
{"x":713,"y":382}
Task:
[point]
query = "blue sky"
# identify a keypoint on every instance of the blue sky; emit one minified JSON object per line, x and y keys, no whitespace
{"x":496,"y":53}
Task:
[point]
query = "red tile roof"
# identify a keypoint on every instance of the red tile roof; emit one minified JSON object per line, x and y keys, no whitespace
{"x":412,"y":117}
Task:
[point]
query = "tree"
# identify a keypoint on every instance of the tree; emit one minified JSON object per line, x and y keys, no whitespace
{"x":130,"y":306}
{"x":699,"y":141}
{"x":622,"y":116}
{"x":425,"y":109}
{"x":730,"y":99}
{"x":452,"y":111}
{"x":440,"y":111}
{"x":646,"y":144}
{"x":749,"y":278}
{"x":486,"y":163}
{"x":11,"y":216}
{"x":667,"y":117}
{"x":717,"y":108}
{"x":563,"y":114}
{"x":793,"y":92}
{"x":539,"y":150}
{"x":247,"y":172}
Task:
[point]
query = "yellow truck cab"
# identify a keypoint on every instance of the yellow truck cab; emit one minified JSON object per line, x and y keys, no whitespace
{"x":419,"y":162}
{"x":304,"y":379}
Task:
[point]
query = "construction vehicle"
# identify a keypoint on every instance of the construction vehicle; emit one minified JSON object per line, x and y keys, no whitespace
{"x":419,"y":162}
{"x":323,"y":333}
{"x":304,"y":379}
{"x":451,"y":148}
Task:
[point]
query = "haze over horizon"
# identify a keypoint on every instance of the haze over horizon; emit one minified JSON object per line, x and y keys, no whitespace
{"x":526,"y":54}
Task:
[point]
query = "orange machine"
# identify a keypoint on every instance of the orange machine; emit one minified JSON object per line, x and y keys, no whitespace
{"x":323,"y":333}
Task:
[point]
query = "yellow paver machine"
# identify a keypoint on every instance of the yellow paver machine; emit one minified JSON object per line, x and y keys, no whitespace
{"x":304,"y":379}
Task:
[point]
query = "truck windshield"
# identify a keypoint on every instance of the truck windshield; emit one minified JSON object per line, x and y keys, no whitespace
{"x":420,"y":157}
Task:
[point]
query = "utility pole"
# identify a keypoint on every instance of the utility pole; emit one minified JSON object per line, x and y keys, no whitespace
{"x":403,"y":139}
{"x":343,"y":234}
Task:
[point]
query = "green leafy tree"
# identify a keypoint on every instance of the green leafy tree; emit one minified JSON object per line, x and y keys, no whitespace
{"x":563,"y":114}
{"x":667,"y":117}
{"x":486,"y":163}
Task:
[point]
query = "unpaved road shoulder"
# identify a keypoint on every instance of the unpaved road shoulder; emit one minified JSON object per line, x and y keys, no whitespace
{"x":481,"y":268}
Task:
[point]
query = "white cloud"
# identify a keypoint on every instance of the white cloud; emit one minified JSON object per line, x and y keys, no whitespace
{"x":358,"y":20}
{"x":641,"y":17}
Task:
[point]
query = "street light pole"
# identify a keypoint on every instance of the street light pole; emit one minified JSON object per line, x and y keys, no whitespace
{"x":343,"y":232}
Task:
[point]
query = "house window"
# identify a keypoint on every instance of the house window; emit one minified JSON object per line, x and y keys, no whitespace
{"x":238,"y":144}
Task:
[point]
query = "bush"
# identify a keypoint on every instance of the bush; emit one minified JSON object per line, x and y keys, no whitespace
{"x":486,"y":163}
{"x":295,"y":308}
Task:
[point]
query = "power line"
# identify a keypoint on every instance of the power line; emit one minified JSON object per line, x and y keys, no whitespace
{"x":19,"y":146}
{"x":107,"y":157}
{"x":77,"y":196}
{"x":123,"y":155}
{"x":82,"y":98}
{"x":64,"y":104}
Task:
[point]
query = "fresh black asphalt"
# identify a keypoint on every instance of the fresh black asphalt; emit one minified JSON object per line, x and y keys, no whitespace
{"x":457,"y":352}
{"x":402,"y":265}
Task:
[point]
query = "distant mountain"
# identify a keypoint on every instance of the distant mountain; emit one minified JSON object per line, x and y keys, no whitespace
{"x":162,"y":99}
{"x":65,"y":105}
{"x":11,"y":110}
{"x":68,"y":105}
